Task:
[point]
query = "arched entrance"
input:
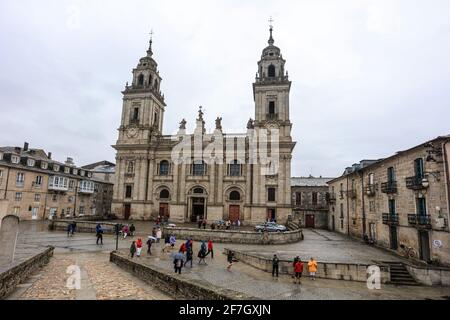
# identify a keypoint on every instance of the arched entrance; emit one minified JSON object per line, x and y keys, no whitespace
{"x":164,"y":197}
{"x":197,"y":204}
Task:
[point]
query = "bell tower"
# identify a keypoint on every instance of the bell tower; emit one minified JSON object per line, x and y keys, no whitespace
{"x":271,"y":90}
{"x":143,"y":103}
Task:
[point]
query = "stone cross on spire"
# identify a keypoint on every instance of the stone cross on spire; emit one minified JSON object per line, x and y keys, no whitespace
{"x":271,"y":41}
{"x":149,"y":51}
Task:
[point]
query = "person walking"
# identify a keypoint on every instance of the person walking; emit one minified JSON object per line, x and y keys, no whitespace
{"x":275,"y":264}
{"x":298,"y":270}
{"x":204,"y":223}
{"x":69,"y":229}
{"x":210,"y":248}
{"x":312,"y":268}
{"x":199,"y":220}
{"x":201,"y":255}
{"x":158,"y":235}
{"x":238,"y":223}
{"x":99,"y":233}
{"x":132,"y":230}
{"x":172,"y":241}
{"x":189,"y":256}
{"x":230,"y":256}
{"x":138,"y":247}
{"x":166,"y":243}
{"x":183,"y":248}
{"x":125,"y":231}
{"x":132,"y":249}
{"x":293,"y":264}
{"x":178,"y":262}
{"x":149,"y":246}
{"x":74,"y":226}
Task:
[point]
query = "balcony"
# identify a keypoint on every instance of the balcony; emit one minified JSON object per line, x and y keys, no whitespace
{"x":389,"y":187}
{"x":351,"y":193}
{"x":331,"y":197}
{"x":86,"y":187}
{"x":420,"y":220}
{"x":272,"y":116}
{"x":370,"y":190}
{"x":341,"y":194}
{"x":416,"y":183}
{"x":390,"y":218}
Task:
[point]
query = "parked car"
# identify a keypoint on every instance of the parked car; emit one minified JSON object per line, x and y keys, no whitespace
{"x":270,"y":227}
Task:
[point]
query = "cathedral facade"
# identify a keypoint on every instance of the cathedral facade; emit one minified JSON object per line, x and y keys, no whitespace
{"x":216,"y":175}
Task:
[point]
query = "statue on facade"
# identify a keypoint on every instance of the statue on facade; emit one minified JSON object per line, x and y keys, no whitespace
{"x":219,"y":123}
{"x":200,"y":113}
{"x":250,"y":124}
{"x":183,"y":124}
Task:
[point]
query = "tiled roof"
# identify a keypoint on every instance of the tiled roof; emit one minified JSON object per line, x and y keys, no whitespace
{"x":309,"y":181}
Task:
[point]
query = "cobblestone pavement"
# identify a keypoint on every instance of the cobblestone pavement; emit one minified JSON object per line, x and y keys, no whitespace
{"x":248,"y":280}
{"x":100,"y":280}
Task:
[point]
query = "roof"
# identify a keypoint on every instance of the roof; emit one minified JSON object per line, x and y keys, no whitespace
{"x":101,"y":166}
{"x":309,"y":181}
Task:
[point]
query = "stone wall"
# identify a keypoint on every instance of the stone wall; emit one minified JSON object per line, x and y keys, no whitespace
{"x":17,"y":272}
{"x":233,"y":236}
{"x":326,"y":270}
{"x":430,"y":276}
{"x":178,"y":286}
{"x":82,"y":226}
{"x":3,"y":209}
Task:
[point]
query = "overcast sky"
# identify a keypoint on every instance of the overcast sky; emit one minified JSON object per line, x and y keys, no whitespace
{"x":369,"y":78}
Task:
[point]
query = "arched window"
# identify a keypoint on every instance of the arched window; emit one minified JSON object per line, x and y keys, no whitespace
{"x":141,"y":80}
{"x":198,"y":168}
{"x":164,"y":194}
{"x":164,"y":168}
{"x":156,"y":84}
{"x":234,"y":168}
{"x":150,"y":81}
{"x":130,"y":167}
{"x":271,"y":71}
{"x":198,"y":190}
{"x":235,"y":195}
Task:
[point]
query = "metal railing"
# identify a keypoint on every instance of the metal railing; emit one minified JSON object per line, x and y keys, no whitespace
{"x":389,"y":187}
{"x":415,"y":182}
{"x":420,"y":220}
{"x":390,"y":218}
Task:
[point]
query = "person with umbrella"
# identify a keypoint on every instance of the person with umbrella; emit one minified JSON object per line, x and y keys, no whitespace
{"x":178,"y":261}
{"x":149,"y":244}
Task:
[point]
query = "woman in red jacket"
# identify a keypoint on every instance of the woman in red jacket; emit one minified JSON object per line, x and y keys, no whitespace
{"x":138,"y":247}
{"x":298,"y":269}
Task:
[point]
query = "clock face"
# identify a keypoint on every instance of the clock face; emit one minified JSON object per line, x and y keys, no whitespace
{"x":131,"y":132}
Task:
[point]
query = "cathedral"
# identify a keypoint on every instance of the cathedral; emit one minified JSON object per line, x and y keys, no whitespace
{"x":215,"y":176}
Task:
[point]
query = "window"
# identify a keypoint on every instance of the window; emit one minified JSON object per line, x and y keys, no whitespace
{"x":234,"y":168}
{"x":271,"y":71}
{"x":56,"y":167}
{"x":18,"y":196}
{"x":75,"y":171}
{"x":342,"y":224}
{"x":54,"y":197}
{"x":271,"y":107}
{"x":235,"y":196}
{"x":37,"y":197}
{"x":15,"y":159}
{"x":298,"y":198}
{"x":135,"y":114}
{"x":342,"y":210}
{"x":164,"y":168}
{"x":391,"y":204}
{"x":314,"y":198}
{"x":71,"y":184}
{"x":418,"y":168}
{"x":82,"y":173}
{"x":38,"y":181}
{"x":372,"y":206}
{"x":66,"y":170}
{"x":199,"y":168}
{"x":16,"y":211}
{"x":421,"y":207}
{"x":30,"y":162}
{"x":371,"y":179}
{"x":271,"y":194}
{"x":141,"y":80}
{"x":44,"y":165}
{"x":391,"y":175}
{"x":128,"y":191}
{"x":155,"y":119}
{"x":130,"y":167}
{"x":20,"y":179}
{"x":81,"y":210}
{"x":164,"y":194}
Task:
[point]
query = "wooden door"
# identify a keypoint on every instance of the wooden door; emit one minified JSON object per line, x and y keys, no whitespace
{"x":234,"y":213}
{"x":309,"y":221}
{"x":127,"y":211}
{"x":164,"y":210}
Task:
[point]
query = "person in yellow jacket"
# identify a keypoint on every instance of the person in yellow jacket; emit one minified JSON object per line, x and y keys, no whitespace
{"x":312,"y":268}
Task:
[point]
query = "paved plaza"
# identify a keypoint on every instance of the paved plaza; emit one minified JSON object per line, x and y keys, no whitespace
{"x":104,"y":280}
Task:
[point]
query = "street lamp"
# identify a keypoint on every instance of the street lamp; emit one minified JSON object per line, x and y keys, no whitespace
{"x":117,"y":236}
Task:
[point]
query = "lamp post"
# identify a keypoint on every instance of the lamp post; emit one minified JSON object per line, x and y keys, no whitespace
{"x":117,"y":236}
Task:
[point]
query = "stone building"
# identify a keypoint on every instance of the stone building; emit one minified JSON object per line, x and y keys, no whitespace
{"x":401,"y":201}
{"x":310,"y":200}
{"x":218,"y":176}
{"x":37,"y":187}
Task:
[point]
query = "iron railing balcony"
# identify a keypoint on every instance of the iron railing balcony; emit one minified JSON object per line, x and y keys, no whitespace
{"x":420,"y":220}
{"x":416,"y":182}
{"x":370,"y":190}
{"x":389,"y":187}
{"x":331,"y":197}
{"x":341,"y":194}
{"x":390,"y":218}
{"x":351,"y":193}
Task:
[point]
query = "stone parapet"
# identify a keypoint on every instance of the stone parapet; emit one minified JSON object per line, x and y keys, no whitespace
{"x":234,"y":236}
{"x":82,"y":226}
{"x":15,"y":273}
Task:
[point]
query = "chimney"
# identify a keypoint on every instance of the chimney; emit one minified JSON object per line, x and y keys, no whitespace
{"x":25,"y":146}
{"x":49,"y":155}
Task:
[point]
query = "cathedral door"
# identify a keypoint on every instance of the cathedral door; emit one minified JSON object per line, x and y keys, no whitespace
{"x":234,"y":213}
{"x":309,"y":221}
{"x":198,"y":209}
{"x":127,"y":211}
{"x":164,"y":211}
